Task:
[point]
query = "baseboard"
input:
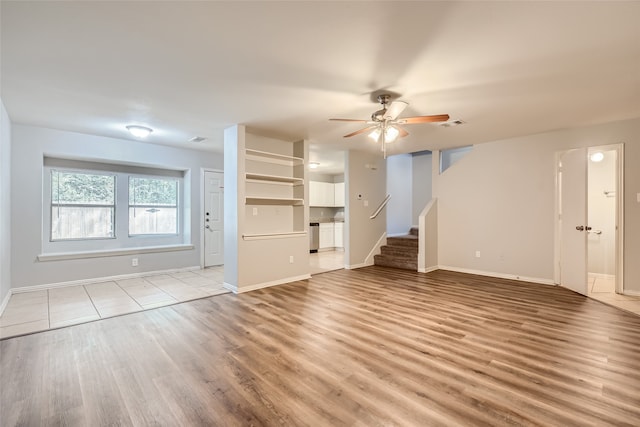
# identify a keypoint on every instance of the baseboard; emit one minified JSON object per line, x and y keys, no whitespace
{"x":498,"y":275}
{"x":35,"y":288}
{"x":631,"y":293}
{"x":602,"y":275}
{"x":5,"y":301}
{"x":428,"y":269}
{"x":262,"y":285}
{"x":230,"y":287}
{"x":354,"y":266}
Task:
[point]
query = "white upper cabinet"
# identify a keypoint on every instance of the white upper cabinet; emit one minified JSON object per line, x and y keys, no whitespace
{"x":321,"y":194}
{"x":326,"y":194}
{"x":339,"y":195}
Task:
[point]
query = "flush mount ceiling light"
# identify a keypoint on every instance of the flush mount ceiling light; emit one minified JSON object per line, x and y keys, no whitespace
{"x":313,"y":165}
{"x":597,"y":157}
{"x":139,"y":131}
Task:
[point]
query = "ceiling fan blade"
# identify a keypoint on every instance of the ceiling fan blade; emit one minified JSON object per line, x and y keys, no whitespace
{"x":394,"y":109}
{"x":349,"y":120}
{"x":423,"y":119}
{"x":358,"y":132}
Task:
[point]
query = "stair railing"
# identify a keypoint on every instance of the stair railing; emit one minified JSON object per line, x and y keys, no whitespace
{"x":382,"y":205}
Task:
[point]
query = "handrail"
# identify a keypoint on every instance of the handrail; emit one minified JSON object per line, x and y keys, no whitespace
{"x":382,"y":205}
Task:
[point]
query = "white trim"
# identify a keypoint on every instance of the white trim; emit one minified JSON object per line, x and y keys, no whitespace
{"x":36,"y":288}
{"x":429,"y":269}
{"x":620,"y":219}
{"x":354,"y":266}
{"x":113,"y":252}
{"x":262,"y":285}
{"x":499,"y":275}
{"x":632,"y":293}
{"x":5,"y":301}
{"x":369,"y":260}
{"x":601,"y":275}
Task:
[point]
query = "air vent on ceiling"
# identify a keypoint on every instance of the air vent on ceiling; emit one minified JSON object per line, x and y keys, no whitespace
{"x":197,"y":139}
{"x":451,"y":123}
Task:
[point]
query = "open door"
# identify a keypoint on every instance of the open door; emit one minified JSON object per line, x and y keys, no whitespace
{"x":572,"y":185}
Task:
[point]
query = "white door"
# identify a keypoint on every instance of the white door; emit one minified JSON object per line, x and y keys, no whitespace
{"x":573,"y":220}
{"x":213,"y":219}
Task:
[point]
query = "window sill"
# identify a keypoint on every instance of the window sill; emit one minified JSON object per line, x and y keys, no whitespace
{"x":112,"y":252}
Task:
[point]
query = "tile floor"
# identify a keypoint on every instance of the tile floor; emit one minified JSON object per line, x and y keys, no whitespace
{"x":322,"y":262}
{"x":54,"y":308}
{"x":603,"y":289}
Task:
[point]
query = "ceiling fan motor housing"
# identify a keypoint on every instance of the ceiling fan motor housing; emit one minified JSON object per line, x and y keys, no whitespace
{"x":378,"y":116}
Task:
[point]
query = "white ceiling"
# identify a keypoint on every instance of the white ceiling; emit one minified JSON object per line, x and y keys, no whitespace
{"x":283,"y":68}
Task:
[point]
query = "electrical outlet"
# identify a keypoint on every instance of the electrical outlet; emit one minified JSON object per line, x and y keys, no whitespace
{"x":477,"y":254}
{"x":134,"y":262}
{"x":291,"y":259}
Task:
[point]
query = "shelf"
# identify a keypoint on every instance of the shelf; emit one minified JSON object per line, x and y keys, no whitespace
{"x":274,"y":178}
{"x":257,"y":200}
{"x":266,"y":156}
{"x":263,"y":236}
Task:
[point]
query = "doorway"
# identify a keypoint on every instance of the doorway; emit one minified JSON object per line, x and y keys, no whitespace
{"x":213,"y":218}
{"x":589,"y":227}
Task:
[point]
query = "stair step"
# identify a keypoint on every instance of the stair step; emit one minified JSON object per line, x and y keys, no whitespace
{"x":395,"y":262}
{"x":407,"y":240}
{"x":413,"y":231}
{"x":400,"y":251}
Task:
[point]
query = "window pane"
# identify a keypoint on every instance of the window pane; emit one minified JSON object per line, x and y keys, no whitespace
{"x":82,"y":205}
{"x":82,"y":188}
{"x":153,"y":191}
{"x":156,"y":220}
{"x":81,"y":222}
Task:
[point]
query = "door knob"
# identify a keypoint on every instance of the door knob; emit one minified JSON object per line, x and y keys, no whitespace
{"x":579,"y":227}
{"x":207,"y":226}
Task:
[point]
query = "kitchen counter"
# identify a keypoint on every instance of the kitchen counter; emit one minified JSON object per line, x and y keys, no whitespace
{"x":325,"y":220}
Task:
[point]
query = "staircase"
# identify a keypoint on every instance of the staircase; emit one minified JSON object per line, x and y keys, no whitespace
{"x":400,"y":252}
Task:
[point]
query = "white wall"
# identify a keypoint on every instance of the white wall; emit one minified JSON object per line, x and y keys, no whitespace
{"x":5,"y":205}
{"x":365,"y":175}
{"x":399,"y":182}
{"x":30,"y":144}
{"x":499,"y":200}
{"x":602,"y":215}
{"x":421,"y":184}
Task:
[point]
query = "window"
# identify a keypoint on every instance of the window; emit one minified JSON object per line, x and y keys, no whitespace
{"x":93,"y":206}
{"x":82,"y":205}
{"x":153,"y":206}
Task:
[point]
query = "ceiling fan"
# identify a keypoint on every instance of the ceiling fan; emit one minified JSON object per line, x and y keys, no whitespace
{"x":384,"y":123}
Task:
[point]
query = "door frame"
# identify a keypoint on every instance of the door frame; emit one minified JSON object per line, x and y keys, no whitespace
{"x":619,"y":246}
{"x":201,"y":211}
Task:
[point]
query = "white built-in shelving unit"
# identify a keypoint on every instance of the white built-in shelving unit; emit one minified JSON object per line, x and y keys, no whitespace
{"x":274,"y":193}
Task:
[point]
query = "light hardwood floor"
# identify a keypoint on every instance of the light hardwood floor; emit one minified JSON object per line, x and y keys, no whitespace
{"x":364,"y":347}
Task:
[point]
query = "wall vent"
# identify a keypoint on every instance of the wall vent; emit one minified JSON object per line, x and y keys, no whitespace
{"x":451,"y":123}
{"x":197,"y":139}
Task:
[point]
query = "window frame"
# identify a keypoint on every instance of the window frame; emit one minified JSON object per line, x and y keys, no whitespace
{"x":51,"y":203}
{"x":177,"y":206}
{"x":121,"y":239}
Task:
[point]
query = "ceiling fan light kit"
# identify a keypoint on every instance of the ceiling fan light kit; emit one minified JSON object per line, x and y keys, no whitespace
{"x":383,"y":126}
